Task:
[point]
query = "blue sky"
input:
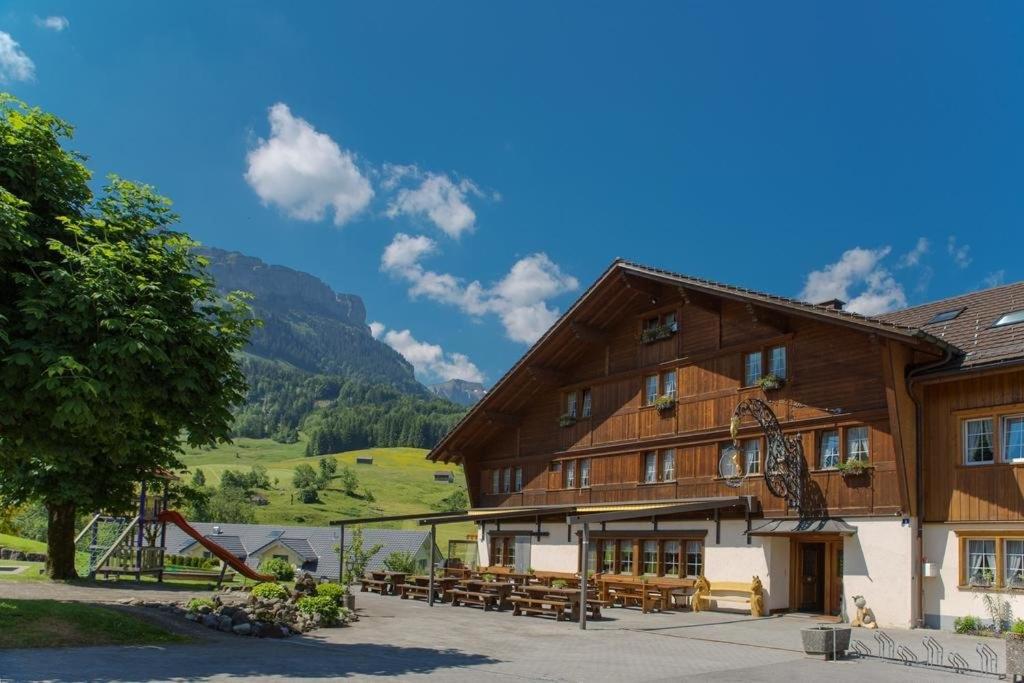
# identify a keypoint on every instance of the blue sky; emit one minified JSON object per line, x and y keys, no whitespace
{"x":469,"y":168}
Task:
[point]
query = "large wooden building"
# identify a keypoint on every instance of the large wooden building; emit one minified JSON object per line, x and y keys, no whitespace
{"x":911,"y":427}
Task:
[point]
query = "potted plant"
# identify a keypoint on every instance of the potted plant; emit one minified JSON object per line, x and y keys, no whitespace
{"x":649,"y":335}
{"x":982,"y":579}
{"x":567,"y":420}
{"x":665,"y":403}
{"x":853,"y":467}
{"x":771,"y":382}
{"x":559,"y":583}
{"x":826,"y":640}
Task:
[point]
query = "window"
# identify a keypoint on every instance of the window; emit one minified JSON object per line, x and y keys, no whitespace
{"x":518,"y":480}
{"x":1011,"y":318}
{"x":946,"y":316}
{"x":777,"y":361}
{"x":608,"y":557}
{"x":694,"y":558}
{"x":495,"y":481}
{"x":555,"y":466}
{"x":981,"y":561}
{"x":669,"y":320}
{"x":751,"y":368}
{"x":668,"y":383}
{"x":1013,"y":438}
{"x":280,"y":557}
{"x":626,"y":557}
{"x":670,"y":558}
{"x":650,"y":557}
{"x":570,"y":473}
{"x":752,"y":455}
{"x":508,"y":480}
{"x":498,"y":551}
{"x":857,"y":444}
{"x":510,"y":551}
{"x":570,"y":404}
{"x":650,"y":389}
{"x":828,"y":450}
{"x":650,"y":467}
{"x":586,"y":403}
{"x":668,"y":465}
{"x":1013,"y":563}
{"x":584,"y":473}
{"x":978,"y":441}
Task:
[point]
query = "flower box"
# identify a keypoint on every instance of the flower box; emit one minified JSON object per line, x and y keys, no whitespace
{"x":656,"y":333}
{"x":664,"y":403}
{"x":566,"y":420}
{"x":771,"y":382}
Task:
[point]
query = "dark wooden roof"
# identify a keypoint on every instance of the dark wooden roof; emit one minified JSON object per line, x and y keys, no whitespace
{"x":971,"y":331}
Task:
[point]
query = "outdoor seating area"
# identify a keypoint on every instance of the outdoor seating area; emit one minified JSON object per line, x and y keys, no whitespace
{"x":557,"y":594}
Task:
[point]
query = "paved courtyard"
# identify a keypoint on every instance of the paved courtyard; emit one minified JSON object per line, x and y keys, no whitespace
{"x":407,"y":640}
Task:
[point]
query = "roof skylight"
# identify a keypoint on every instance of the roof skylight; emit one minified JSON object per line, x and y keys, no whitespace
{"x":1011,"y":318}
{"x":946,"y":316}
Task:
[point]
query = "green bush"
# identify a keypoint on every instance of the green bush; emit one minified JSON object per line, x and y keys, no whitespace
{"x":1018,"y":627}
{"x":270,"y":591}
{"x":334,"y":591}
{"x":966,"y":624}
{"x":325,"y":606}
{"x":195,"y":603}
{"x":401,"y":561}
{"x":281,"y":569}
{"x":308,"y":495}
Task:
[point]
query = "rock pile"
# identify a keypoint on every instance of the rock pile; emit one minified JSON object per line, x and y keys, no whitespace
{"x":20,"y":556}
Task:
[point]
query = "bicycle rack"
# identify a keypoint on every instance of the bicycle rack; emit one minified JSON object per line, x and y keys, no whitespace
{"x":935,"y":652}
{"x":989,"y":658}
{"x":860,"y":648}
{"x":886,"y":645}
{"x":958,"y":663}
{"x":906,"y":655}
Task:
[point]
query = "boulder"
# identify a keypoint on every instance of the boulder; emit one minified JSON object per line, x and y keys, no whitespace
{"x":306,"y":584}
{"x":242,"y":629}
{"x":35,"y":557}
{"x":224,"y":623}
{"x":239,"y":618}
{"x":210,"y":620}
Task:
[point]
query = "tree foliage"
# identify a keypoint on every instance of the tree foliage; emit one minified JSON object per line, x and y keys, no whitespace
{"x":113,"y":343}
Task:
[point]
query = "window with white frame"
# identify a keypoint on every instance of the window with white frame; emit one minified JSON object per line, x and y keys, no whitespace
{"x":570,"y":474}
{"x":694,"y":558}
{"x":650,"y":389}
{"x":650,"y":557}
{"x":978,"y":441}
{"x":518,"y":485}
{"x":1013,"y":562}
{"x":650,"y":467}
{"x":752,"y":455}
{"x":1013,"y":438}
{"x":668,"y":383}
{"x":828,"y":449}
{"x":981,"y":561}
{"x":670,"y":558}
{"x":777,"y":361}
{"x":507,"y":488}
{"x":608,"y":558}
{"x":668,"y":465}
{"x":626,"y":556}
{"x":587,"y":403}
{"x":584,"y":473}
{"x":857,"y":446}
{"x":669,"y":320}
{"x":751,"y":368}
{"x":570,"y":404}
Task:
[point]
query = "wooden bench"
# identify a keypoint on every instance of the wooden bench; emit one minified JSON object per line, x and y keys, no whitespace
{"x":736,"y":592}
{"x":552,"y":606}
{"x":374,"y":585}
{"x":594,"y":606}
{"x":485,"y":600}
{"x":412,"y":590}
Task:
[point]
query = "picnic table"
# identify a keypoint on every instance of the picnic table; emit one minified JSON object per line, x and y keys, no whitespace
{"x":419,"y":587}
{"x":648,"y":594}
{"x":557,"y":601}
{"x":487,"y":594}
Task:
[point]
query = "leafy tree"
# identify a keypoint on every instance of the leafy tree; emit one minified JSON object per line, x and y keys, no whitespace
{"x":113,"y":344}
{"x":198,"y":478}
{"x":304,"y":477}
{"x":229,"y":505}
{"x":401,"y":561}
{"x":349,"y":481}
{"x":368,"y":496}
{"x":308,"y":495}
{"x":281,"y":569}
{"x":357,"y":557}
{"x":328,"y":466}
{"x":456,"y":501}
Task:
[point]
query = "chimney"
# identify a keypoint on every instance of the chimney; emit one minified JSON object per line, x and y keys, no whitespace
{"x":216,"y":530}
{"x":834,"y":304}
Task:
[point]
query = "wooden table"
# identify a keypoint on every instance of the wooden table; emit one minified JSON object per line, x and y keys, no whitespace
{"x":394,"y":580}
{"x":570,"y":595}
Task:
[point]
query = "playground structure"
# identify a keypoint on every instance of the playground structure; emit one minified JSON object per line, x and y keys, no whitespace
{"x":133,"y":543}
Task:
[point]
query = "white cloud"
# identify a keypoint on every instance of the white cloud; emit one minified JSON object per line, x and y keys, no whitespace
{"x":913,"y":257}
{"x":376,"y":329}
{"x":15,"y":65}
{"x":519,"y":299}
{"x":57,"y":23}
{"x":995,"y":278}
{"x":438,"y":198}
{"x":859,"y":274}
{"x":961,"y":253}
{"x":304,"y":172}
{"x":431,"y":362}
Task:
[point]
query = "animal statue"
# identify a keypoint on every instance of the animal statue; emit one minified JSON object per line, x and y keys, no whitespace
{"x":701,"y":590}
{"x":865,"y":618}
{"x":756,"y":597}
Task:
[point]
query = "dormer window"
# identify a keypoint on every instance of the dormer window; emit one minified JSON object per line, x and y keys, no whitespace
{"x":1011,"y":318}
{"x":946,"y":316}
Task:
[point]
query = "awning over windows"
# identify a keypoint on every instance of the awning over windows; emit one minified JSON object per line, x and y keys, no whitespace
{"x":801,"y":527}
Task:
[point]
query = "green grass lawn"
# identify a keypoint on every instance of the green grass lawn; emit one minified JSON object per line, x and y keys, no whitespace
{"x":32,"y":573}
{"x":48,"y":623}
{"x":401,"y":479}
{"x":25,"y":545}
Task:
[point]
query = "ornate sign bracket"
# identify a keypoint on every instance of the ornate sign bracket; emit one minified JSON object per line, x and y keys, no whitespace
{"x":784,"y":462}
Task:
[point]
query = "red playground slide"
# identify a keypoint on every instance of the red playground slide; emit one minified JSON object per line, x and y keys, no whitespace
{"x":242,"y":568}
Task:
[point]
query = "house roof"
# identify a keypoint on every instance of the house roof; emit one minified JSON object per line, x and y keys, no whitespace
{"x":971,"y":331}
{"x":316,"y":545}
{"x":595,"y":313}
{"x":233,"y":544}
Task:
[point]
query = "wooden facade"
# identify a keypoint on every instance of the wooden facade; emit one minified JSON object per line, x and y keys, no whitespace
{"x":521,"y":448}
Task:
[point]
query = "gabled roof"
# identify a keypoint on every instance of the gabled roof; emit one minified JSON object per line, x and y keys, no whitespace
{"x":300,"y":546}
{"x":971,"y":330}
{"x":233,"y":544}
{"x":592,"y":310}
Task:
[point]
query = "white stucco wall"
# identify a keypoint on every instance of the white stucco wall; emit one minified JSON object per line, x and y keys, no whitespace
{"x":878,"y":563}
{"x":943,"y":599}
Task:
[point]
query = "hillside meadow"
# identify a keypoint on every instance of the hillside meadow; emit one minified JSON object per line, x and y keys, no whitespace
{"x":401,"y":480}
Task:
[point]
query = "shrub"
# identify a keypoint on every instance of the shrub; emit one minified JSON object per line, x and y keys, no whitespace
{"x":1017,"y":628}
{"x":195,"y":603}
{"x":401,"y":561}
{"x":281,"y":569}
{"x":270,"y":591}
{"x":559,"y":583}
{"x":334,"y":591}
{"x":325,"y":606}
{"x":308,"y":495}
{"x":968,"y":624}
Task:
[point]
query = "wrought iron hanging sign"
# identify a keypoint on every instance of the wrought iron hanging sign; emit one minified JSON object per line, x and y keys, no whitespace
{"x":784,"y":457}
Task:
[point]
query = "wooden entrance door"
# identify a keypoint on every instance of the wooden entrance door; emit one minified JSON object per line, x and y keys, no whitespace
{"x":811,"y":593}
